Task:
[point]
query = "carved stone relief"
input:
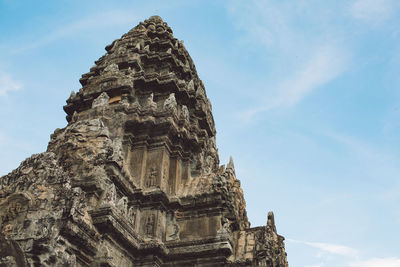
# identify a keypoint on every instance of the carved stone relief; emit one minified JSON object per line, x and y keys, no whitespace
{"x":151,"y":179}
{"x":110,"y":195}
{"x":101,"y":100}
{"x":172,"y":231}
{"x":150,"y":102}
{"x":122,"y":205}
{"x":132,"y":216}
{"x":78,"y":204}
{"x":185,"y":113}
{"x":170,"y":103}
{"x":150,"y":225}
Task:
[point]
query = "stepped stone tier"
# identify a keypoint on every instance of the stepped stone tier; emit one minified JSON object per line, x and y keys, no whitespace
{"x":134,"y":178}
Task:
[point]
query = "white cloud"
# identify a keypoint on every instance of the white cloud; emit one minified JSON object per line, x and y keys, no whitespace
{"x":352,"y":255}
{"x":373,"y":11}
{"x":333,"y":249}
{"x":377,"y":262}
{"x":7,"y":83}
{"x":330,"y":248}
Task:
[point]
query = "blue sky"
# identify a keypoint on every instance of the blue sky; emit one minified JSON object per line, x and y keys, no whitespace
{"x":305,"y":96}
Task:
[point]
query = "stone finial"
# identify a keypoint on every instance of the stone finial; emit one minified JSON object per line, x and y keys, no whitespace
{"x":156,"y":19}
{"x":101,"y":100}
{"x":230,"y":165}
{"x":221,"y":169}
{"x":191,"y":86}
{"x":75,"y":116}
{"x":200,"y":93}
{"x":72,"y":95}
{"x":271,"y":221}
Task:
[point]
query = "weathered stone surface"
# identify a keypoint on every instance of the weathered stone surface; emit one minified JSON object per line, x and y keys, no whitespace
{"x":134,"y":178}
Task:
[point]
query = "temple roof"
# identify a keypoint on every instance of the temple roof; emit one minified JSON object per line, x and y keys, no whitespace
{"x":150,"y":74}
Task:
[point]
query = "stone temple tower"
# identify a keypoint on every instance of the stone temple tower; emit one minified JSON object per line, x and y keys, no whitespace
{"x":134,"y":178}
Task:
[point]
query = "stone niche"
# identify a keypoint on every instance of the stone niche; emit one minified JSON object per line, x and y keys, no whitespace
{"x":152,"y":224}
{"x":201,"y":227}
{"x":155,"y":167}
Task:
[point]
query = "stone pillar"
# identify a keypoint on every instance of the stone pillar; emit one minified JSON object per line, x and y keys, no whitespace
{"x":137,"y":163}
{"x":175,"y":174}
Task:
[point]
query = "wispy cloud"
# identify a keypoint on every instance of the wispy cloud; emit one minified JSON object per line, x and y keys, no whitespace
{"x":95,"y":21}
{"x":330,"y":248}
{"x":373,"y":11}
{"x":8,"y":83}
{"x":351,"y":256}
{"x":307,"y":60}
{"x":327,"y":63}
{"x":263,"y":22}
{"x":376,"y":160}
{"x":377,"y":262}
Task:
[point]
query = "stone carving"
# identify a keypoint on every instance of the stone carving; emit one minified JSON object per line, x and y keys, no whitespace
{"x":136,"y":104}
{"x":151,"y":177}
{"x":150,"y":102}
{"x":150,"y":225}
{"x":185,"y":113}
{"x":191,"y":86}
{"x":111,"y":68}
{"x":101,"y":100}
{"x":122,"y":205}
{"x":110,"y":195}
{"x":170,"y":103}
{"x":138,"y":46}
{"x":69,"y":205}
{"x":72,"y":96}
{"x":172,"y":231}
{"x":226,"y":227}
{"x":78,"y":204}
{"x":164,"y":177}
{"x":75,"y":116}
{"x":132,"y":215}
{"x":200,"y":93}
